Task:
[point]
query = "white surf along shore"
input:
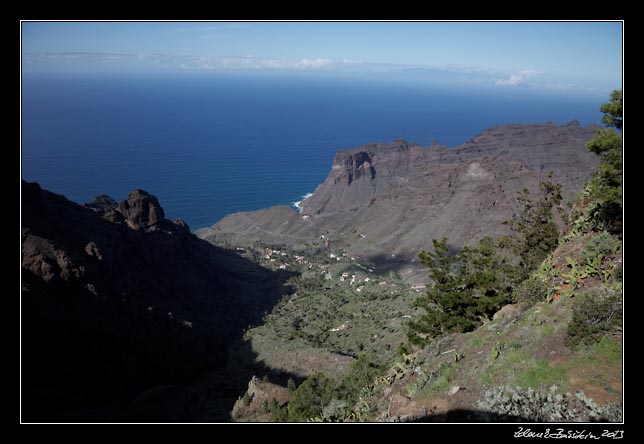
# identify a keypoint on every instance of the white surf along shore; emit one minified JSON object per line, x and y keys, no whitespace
{"x":298,"y":204}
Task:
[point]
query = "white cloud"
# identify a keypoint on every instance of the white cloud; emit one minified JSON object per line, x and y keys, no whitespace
{"x":150,"y":61}
{"x":257,"y":63}
{"x":517,"y":79}
{"x":313,"y":64}
{"x":170,"y":61}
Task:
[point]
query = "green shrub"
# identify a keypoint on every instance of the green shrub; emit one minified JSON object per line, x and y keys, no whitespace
{"x":594,"y":315}
{"x":601,"y":245}
{"x":404,"y":348}
{"x":521,"y":404}
{"x":335,"y":411}
{"x":318,"y":398}
{"x":530,"y":291}
{"x":361,"y":374}
{"x":278,"y":414}
{"x":311,"y":397}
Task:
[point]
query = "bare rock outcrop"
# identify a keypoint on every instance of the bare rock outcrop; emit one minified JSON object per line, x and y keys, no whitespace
{"x":141,"y":210}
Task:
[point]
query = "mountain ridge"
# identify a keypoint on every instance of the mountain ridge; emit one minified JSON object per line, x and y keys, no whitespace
{"x":397,"y":196}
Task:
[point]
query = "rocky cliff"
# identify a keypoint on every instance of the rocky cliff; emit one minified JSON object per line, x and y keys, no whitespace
{"x":116,"y":300}
{"x":396,"y":197}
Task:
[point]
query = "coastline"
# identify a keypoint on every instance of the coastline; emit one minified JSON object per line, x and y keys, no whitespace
{"x":298,"y":204}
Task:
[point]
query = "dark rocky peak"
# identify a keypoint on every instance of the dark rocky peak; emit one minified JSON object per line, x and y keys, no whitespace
{"x":141,"y":210}
{"x":31,"y":192}
{"x":182,"y":223}
{"x":32,"y":195}
{"x":102,"y":203}
{"x":574,"y":123}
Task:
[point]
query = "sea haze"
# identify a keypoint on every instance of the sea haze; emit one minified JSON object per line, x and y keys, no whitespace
{"x":208,"y":144}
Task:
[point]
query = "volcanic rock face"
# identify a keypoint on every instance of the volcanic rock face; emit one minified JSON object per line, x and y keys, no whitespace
{"x":358,"y":176}
{"x":141,"y":210}
{"x":117,"y":299}
{"x":399,"y":196}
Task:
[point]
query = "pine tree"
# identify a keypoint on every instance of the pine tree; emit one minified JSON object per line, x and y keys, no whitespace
{"x":536,"y":233}
{"x":605,"y":188}
{"x":468,"y":286}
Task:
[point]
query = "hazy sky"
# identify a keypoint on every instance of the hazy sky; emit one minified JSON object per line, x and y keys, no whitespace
{"x":571,"y":56}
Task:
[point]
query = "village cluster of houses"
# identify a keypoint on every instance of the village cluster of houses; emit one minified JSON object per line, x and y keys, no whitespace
{"x":278,"y":259}
{"x":418,"y":286}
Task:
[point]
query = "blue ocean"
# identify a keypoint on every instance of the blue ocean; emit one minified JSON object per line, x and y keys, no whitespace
{"x":211,"y":144}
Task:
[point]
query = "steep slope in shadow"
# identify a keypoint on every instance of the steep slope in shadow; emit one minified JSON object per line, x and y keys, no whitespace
{"x":210,"y":398}
{"x":117,"y":300}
